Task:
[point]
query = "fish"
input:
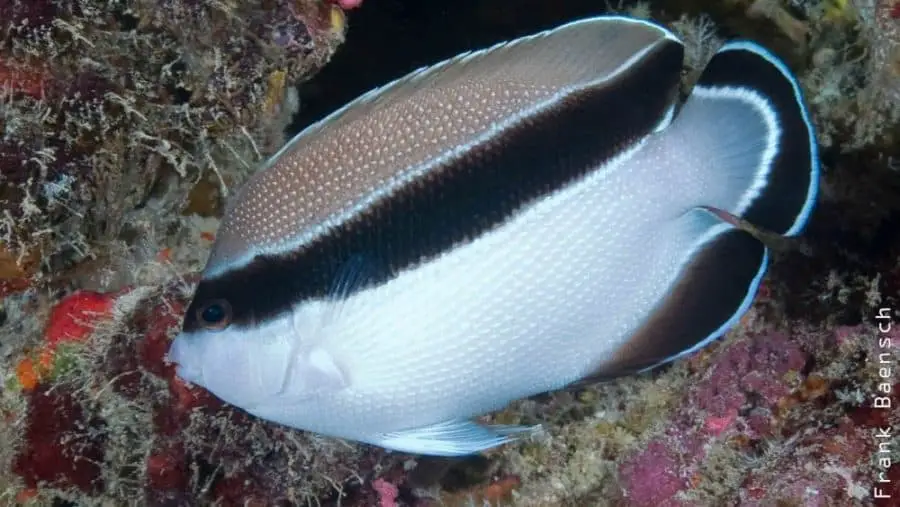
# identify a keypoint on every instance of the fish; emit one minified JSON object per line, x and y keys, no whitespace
{"x":508,"y":222}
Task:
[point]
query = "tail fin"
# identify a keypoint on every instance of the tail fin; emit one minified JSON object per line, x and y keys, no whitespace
{"x":759,"y":157}
{"x":743,"y":144}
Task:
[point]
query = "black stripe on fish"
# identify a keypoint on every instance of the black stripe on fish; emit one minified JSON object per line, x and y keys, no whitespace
{"x":463,"y":198}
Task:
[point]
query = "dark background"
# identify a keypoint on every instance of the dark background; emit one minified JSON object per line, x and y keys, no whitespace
{"x":389,"y":38}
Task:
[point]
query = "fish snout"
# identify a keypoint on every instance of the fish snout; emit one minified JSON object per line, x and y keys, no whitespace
{"x":186,"y":360}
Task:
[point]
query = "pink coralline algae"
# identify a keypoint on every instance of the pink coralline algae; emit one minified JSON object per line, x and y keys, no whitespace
{"x":751,"y":369}
{"x":747,"y":403}
{"x":387,"y":493}
{"x":348,"y":4}
{"x":819,"y":470}
{"x":658,"y":466}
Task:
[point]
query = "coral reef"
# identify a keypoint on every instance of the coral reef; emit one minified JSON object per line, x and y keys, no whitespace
{"x":118,"y":117}
{"x":124,"y":126}
{"x":754,"y":405}
{"x":127,"y":124}
{"x":854,"y":56}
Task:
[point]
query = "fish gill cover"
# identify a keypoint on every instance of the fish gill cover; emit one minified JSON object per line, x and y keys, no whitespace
{"x":126,"y":125}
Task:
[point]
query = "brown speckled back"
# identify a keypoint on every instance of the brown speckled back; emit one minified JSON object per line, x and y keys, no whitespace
{"x":394,"y":136}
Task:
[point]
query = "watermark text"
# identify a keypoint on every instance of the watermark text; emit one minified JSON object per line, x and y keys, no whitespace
{"x":883,"y":400}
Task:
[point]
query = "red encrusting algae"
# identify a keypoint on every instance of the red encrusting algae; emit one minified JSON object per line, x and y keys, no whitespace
{"x":62,"y":446}
{"x":76,"y":316}
{"x":72,"y":320}
{"x":24,"y":80}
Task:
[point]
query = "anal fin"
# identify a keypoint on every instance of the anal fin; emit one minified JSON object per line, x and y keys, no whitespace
{"x":714,"y":287}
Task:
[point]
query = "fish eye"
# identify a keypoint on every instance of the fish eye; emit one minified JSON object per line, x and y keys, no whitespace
{"x":215,"y":314}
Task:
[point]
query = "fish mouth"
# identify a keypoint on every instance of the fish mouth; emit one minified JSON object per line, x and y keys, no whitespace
{"x":185,"y":369}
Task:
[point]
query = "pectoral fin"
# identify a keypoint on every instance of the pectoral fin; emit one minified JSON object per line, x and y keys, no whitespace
{"x":313,"y":371}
